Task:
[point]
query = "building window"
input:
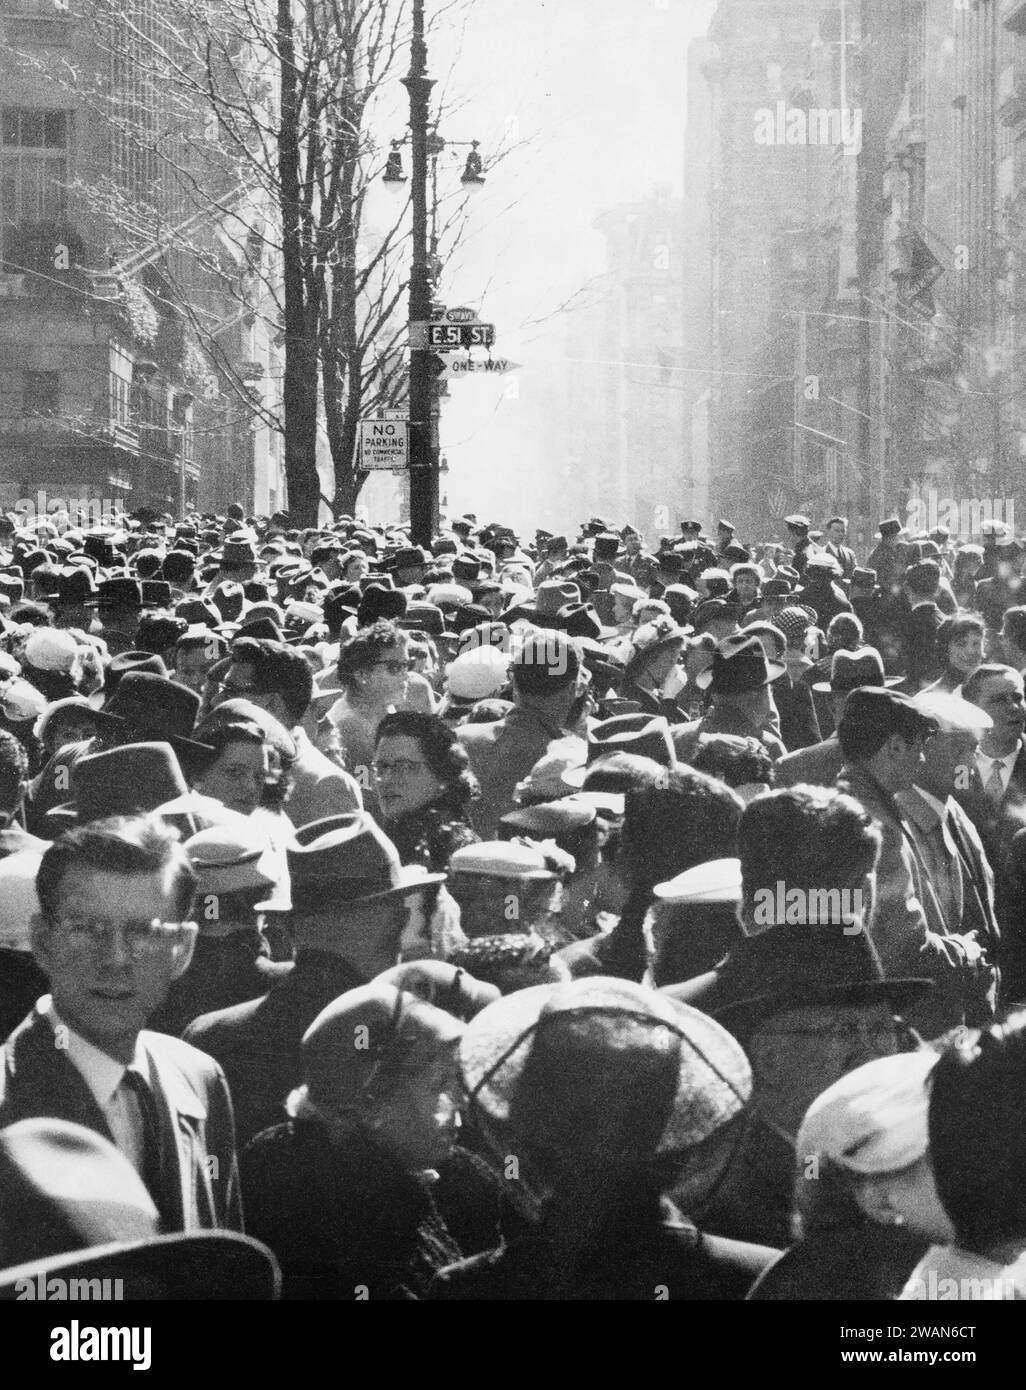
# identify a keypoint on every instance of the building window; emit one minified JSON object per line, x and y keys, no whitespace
{"x":120,"y":400}
{"x":40,"y":396}
{"x":33,"y":166}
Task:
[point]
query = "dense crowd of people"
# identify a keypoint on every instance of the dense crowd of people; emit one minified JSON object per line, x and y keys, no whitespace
{"x":541,"y":919}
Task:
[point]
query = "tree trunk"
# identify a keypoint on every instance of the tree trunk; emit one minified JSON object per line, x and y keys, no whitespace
{"x":299,"y":393}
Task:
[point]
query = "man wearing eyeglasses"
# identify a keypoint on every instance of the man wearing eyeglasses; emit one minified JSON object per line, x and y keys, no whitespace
{"x":112,"y":934}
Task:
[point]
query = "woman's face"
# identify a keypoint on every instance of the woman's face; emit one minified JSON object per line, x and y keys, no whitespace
{"x":747,"y":587}
{"x":403,"y":778}
{"x":419,"y":1121}
{"x":662,"y":663}
{"x":384,"y":682}
{"x":966,"y":653}
{"x":67,"y":730}
{"x":237,"y":776}
{"x":355,"y":569}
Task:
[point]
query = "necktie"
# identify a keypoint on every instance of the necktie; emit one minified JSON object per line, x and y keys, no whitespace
{"x":152,"y":1167}
{"x":994,"y":785}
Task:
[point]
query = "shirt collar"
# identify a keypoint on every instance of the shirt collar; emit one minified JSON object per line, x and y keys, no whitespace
{"x":101,"y":1072}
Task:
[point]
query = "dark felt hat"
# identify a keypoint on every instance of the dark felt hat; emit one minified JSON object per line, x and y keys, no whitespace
{"x":352,"y":857}
{"x":120,"y":591}
{"x":850,"y":670}
{"x":644,"y":735}
{"x":153,"y":707}
{"x":890,"y":527}
{"x":739,"y":664}
{"x":125,"y":781}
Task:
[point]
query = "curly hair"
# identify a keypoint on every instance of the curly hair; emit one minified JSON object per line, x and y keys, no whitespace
{"x":369,"y":646}
{"x":443,"y":753}
{"x":956,"y":627}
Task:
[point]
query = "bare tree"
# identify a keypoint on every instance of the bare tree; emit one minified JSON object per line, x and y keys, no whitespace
{"x":253,"y":123}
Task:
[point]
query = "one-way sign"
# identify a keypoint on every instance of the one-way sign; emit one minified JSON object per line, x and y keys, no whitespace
{"x":476,"y":366}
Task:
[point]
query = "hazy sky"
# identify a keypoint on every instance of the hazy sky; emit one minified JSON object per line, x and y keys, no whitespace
{"x":597,"y":89}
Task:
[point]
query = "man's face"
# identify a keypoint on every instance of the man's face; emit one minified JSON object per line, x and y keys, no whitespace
{"x":632,"y":544}
{"x":836,"y":532}
{"x":109,"y":972}
{"x":1002,"y":698}
{"x":747,"y":587}
{"x":419,"y":1120}
{"x":1011,"y":648}
{"x":799,"y":1052}
{"x":623,"y":607}
{"x":907,"y":760}
{"x":191,"y":668}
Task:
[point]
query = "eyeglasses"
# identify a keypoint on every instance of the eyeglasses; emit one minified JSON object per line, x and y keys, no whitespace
{"x":396,"y":668}
{"x":142,"y":939}
{"x":402,"y":767}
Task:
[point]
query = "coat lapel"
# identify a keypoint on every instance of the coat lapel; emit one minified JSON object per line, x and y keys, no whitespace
{"x":39,"y":1080}
{"x":182,"y":1115}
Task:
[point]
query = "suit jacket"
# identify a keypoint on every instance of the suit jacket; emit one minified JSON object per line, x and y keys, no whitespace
{"x":844,"y":556}
{"x":901,"y":922}
{"x":818,"y":766}
{"x":720,"y":720}
{"x":197,"y":1132}
{"x":501,"y":755}
{"x":799,"y":726}
{"x":320,"y":787}
{"x":257,"y":1043}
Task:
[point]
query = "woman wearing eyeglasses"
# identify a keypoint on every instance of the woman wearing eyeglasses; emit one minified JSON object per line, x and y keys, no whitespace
{"x":424,"y":786}
{"x":373,"y":671}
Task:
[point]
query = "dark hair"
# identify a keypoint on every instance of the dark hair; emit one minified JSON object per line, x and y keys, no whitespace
{"x":841,"y":520}
{"x":733,"y":759}
{"x":849,"y":624}
{"x":683,"y":819}
{"x":14,"y":767}
{"x":810,"y":837}
{"x":959,"y":625}
{"x":547,"y":662}
{"x":977,"y":1128}
{"x":973,"y":688}
{"x":923,"y":578}
{"x":368,"y":646}
{"x":117,"y":845}
{"x":1015,"y":623}
{"x":746,"y":567}
{"x":277,"y":670}
{"x":219,"y":736}
{"x":27,"y":611}
{"x":442,"y":750}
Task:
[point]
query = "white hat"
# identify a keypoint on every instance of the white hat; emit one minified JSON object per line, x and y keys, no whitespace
{"x":874,"y":1119}
{"x":477,"y":674}
{"x":953,"y":714}
{"x":500,"y":859}
{"x":717,"y":881}
{"x":50,"y":649}
{"x":440,"y":594}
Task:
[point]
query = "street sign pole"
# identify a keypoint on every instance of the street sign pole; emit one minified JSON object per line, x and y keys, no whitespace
{"x":423,"y":453}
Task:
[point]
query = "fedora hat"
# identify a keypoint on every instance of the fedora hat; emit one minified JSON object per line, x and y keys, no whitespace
{"x":238,"y":549}
{"x":396,"y":1024}
{"x":553,"y":594}
{"x":591,"y":1050}
{"x":789,"y":966}
{"x":889,"y":527}
{"x":739,"y":664}
{"x":230,"y":858}
{"x":502,"y":859}
{"x":156,"y":593}
{"x":154,"y":706}
{"x":644,"y":735}
{"x":72,"y":1206}
{"x":606,"y":546}
{"x":850,"y":670}
{"x":74,"y":586}
{"x":126,"y":781}
{"x":120,"y":591}
{"x":353,"y":858}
